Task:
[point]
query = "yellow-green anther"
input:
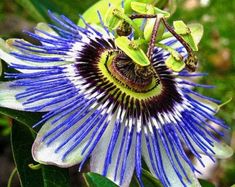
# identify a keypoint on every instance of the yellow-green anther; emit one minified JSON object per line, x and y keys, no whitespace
{"x":119,"y":13}
{"x":182,"y":29}
{"x":171,"y":50}
{"x":142,"y":8}
{"x":112,"y":21}
{"x":137,"y":43}
{"x":175,"y":60}
{"x":137,"y":55}
{"x":174,"y":64}
{"x":127,"y":4}
{"x":145,"y":8}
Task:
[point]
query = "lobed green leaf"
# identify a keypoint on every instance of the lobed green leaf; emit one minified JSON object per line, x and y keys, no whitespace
{"x":38,"y":9}
{"x":22,"y":138}
{"x":96,"y":180}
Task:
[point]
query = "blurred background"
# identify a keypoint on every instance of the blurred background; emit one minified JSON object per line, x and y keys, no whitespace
{"x":216,"y":54}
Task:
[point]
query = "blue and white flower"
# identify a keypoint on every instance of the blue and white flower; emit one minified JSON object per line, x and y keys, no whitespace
{"x":93,"y":112}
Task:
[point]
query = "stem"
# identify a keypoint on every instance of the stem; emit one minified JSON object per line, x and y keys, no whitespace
{"x":153,"y":38}
{"x":14,"y":171}
{"x":136,"y":16}
{"x":177,"y":36}
{"x":35,"y":167}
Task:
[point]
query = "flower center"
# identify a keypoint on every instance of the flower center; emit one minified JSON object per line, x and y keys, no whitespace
{"x":131,"y":74}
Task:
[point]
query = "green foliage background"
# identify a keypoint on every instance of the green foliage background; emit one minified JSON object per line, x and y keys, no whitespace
{"x":216,"y":54}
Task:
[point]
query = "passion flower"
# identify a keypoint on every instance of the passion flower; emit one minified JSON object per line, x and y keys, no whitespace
{"x":110,"y":101}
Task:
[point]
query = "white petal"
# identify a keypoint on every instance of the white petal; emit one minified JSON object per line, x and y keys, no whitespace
{"x":45,"y":27}
{"x":7,"y":97}
{"x":207,"y":171}
{"x":220,"y":149}
{"x":169,"y":170}
{"x":99,"y":157}
{"x":6,"y":47}
{"x":4,"y":54}
{"x":48,"y":154}
{"x":0,"y":68}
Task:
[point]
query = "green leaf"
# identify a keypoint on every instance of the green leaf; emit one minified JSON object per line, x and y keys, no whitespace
{"x":149,"y":180}
{"x":31,"y":9}
{"x":5,"y":126}
{"x":38,"y":9}
{"x":55,"y":177}
{"x":205,"y":183}
{"x":22,"y":138}
{"x":134,"y":182}
{"x":96,"y":180}
{"x":137,"y":55}
{"x":26,"y":118}
{"x":21,"y":142}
